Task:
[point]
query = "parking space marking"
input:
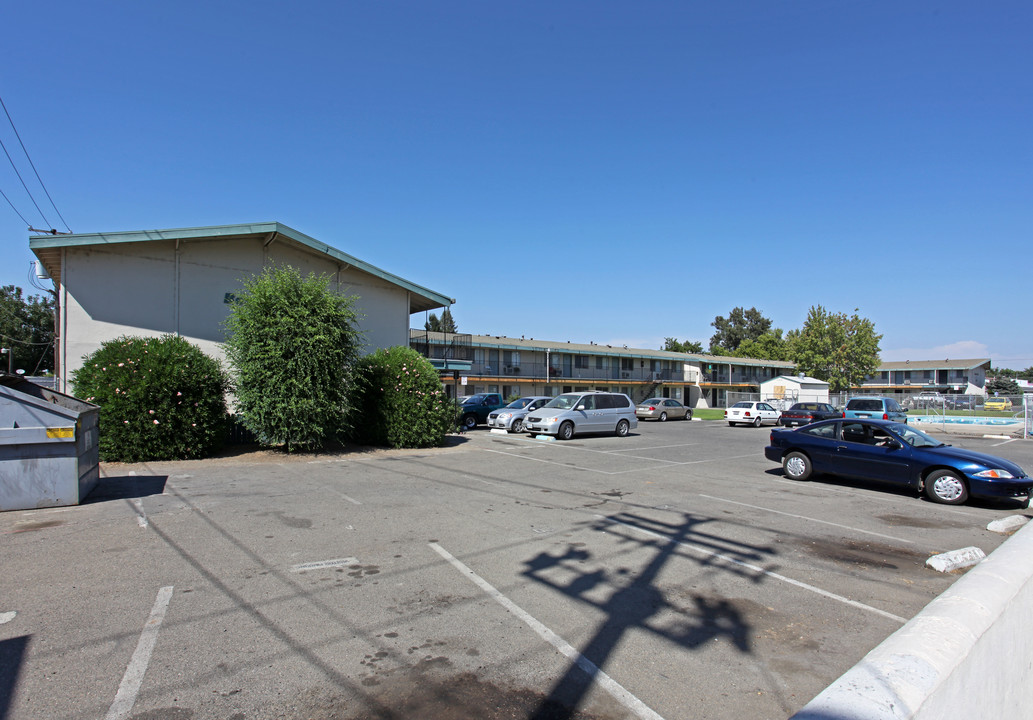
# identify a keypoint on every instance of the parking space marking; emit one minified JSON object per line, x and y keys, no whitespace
{"x":874,"y":496}
{"x":352,"y":500}
{"x":632,"y":703}
{"x":548,"y":462}
{"x":669,"y":463}
{"x":655,"y":447}
{"x":141,"y":516}
{"x":758,"y":569}
{"x":324,"y":564}
{"x":125,"y":698}
{"x":809,"y":519}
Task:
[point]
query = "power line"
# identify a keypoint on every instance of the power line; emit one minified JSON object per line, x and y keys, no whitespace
{"x":13,"y":207}
{"x":29,"y":192}
{"x":33,"y":166}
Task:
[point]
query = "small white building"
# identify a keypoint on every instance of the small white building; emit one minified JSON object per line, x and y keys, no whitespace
{"x":784,"y":390}
{"x":181,"y":281}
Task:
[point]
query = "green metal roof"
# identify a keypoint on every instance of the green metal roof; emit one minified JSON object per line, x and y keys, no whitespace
{"x":424,"y":299}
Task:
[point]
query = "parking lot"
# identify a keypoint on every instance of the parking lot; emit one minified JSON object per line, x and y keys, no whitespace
{"x":673,"y":573}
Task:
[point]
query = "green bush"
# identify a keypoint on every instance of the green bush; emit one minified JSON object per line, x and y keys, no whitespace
{"x":160,"y":399}
{"x":398,"y":401}
{"x":291,"y":343}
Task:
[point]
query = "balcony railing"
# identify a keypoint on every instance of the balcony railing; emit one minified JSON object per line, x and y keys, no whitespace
{"x":537,"y":371}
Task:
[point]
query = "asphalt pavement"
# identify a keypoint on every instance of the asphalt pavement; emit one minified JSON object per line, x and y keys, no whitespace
{"x":674,"y":573}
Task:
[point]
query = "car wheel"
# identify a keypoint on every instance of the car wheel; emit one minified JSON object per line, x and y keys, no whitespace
{"x":688,"y":414}
{"x":731,"y":424}
{"x":566,"y":431}
{"x":622,"y":428}
{"x":756,"y":421}
{"x":517,"y":426}
{"x":663,"y":417}
{"x":944,"y":486}
{"x":796,"y":466}
{"x":469,"y":421}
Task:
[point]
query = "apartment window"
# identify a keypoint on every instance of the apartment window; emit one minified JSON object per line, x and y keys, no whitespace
{"x":581,"y":362}
{"x":600,"y":362}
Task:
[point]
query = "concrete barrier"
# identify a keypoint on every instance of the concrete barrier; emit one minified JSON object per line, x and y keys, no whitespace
{"x":968,"y":654}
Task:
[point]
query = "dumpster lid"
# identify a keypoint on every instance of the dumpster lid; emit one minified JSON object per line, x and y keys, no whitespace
{"x":21,"y":390}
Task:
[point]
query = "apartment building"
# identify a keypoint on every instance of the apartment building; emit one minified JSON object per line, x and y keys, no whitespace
{"x":904,"y":378}
{"x":528,"y":366}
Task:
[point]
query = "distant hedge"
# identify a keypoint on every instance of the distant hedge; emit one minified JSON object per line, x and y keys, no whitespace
{"x":160,"y":399}
{"x":398,"y":401}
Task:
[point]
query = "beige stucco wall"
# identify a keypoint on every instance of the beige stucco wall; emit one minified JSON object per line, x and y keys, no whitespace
{"x":152,"y":288}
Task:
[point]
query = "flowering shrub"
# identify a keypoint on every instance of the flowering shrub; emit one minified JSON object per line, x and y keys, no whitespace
{"x":291,"y":342}
{"x":398,"y":401}
{"x":160,"y":398}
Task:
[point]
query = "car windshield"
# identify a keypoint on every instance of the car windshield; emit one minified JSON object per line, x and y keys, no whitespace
{"x":563,"y":402}
{"x":862,"y":404}
{"x":917,"y":438}
{"x":743,"y":405}
{"x":521,"y":403}
{"x":651,"y":401}
{"x":479,"y":397}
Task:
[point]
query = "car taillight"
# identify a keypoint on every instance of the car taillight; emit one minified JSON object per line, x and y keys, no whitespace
{"x":746,"y":414}
{"x":885,"y":416}
{"x":844,"y":413}
{"x":651,"y":408}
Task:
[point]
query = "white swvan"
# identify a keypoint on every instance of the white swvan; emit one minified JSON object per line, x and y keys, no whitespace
{"x":583,"y":412}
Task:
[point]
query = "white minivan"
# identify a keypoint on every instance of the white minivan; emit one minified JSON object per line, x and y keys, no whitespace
{"x":583,"y":412}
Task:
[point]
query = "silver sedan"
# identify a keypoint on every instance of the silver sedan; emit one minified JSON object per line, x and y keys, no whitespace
{"x":662,"y":409}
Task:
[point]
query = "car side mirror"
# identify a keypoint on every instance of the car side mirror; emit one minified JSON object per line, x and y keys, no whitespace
{"x":893,"y":444}
{"x":580,"y":407}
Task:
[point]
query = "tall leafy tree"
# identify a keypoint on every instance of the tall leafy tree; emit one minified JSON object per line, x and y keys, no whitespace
{"x":769,"y":346}
{"x":292,"y":343}
{"x":740,"y":325}
{"x":840,"y":349}
{"x":672,"y":344}
{"x":27,"y":330}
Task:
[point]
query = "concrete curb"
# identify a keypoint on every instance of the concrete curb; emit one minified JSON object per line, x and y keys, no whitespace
{"x":966,"y":654}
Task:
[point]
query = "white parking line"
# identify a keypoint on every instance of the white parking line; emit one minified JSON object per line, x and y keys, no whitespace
{"x":125,"y":698}
{"x":760,"y":570}
{"x":352,"y":500}
{"x":669,"y":463}
{"x":141,"y":516}
{"x":809,"y":519}
{"x":632,"y":703}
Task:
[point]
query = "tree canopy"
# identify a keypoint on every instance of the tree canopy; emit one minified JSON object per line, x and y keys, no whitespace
{"x":840,"y":349}
{"x":27,"y":329}
{"x":1003,"y":386}
{"x":740,"y":325}
{"x":672,"y":344}
{"x":443,"y":324}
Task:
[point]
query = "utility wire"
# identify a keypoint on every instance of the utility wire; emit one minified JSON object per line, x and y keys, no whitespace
{"x":11,"y":160}
{"x":33,"y":166}
{"x":13,"y":207}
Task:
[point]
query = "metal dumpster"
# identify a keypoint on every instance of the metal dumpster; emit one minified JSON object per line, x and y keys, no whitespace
{"x":48,"y":446}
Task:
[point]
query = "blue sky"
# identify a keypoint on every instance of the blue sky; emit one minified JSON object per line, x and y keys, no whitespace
{"x":616,"y":172}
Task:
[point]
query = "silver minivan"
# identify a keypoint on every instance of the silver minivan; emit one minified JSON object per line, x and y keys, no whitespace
{"x":583,"y":412}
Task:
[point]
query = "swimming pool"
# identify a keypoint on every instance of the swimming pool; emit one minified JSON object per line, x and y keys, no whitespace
{"x":958,"y":420}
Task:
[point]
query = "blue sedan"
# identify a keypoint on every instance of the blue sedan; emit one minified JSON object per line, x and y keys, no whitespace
{"x":896,"y":453}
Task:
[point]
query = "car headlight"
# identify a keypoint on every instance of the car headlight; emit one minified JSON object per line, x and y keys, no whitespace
{"x":505,"y":416}
{"x":550,"y":419}
{"x":994,"y":473}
